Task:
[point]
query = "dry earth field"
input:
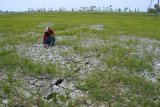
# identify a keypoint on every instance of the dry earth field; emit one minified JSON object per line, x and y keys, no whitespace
{"x":99,"y":60}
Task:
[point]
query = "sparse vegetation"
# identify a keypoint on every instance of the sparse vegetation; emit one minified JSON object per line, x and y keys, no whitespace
{"x":126,"y":44}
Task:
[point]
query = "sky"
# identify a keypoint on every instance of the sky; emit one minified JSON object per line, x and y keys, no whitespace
{"x":23,"y":5}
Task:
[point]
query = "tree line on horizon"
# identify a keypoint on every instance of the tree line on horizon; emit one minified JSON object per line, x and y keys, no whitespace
{"x":155,"y":8}
{"x":81,"y":9}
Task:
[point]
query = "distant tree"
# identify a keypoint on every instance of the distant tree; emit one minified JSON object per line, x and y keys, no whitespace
{"x":72,"y":9}
{"x":82,"y":8}
{"x":44,"y":9}
{"x":38,"y":10}
{"x":157,"y":7}
{"x":61,"y":9}
{"x":125,"y":9}
{"x":151,"y":10}
{"x":130,"y":10}
{"x":110,"y":8}
{"x":107,"y":9}
{"x":92,"y":8}
{"x":104,"y":9}
{"x":119,"y":10}
{"x":6,"y":11}
{"x":135,"y":10}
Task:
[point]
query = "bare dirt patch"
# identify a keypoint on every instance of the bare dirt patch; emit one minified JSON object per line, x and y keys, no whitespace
{"x":96,"y":27}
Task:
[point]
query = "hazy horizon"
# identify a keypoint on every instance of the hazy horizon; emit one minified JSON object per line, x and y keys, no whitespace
{"x":23,"y":5}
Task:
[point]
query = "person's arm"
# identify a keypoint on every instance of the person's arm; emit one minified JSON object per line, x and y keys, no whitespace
{"x":44,"y":39}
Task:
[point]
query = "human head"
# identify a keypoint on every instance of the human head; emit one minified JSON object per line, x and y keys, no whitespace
{"x":46,"y":29}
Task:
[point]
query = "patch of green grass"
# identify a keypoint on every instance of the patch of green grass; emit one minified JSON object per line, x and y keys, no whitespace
{"x":38,"y":69}
{"x":135,"y":24}
{"x":6,"y":89}
{"x":8,"y":59}
{"x":121,"y":89}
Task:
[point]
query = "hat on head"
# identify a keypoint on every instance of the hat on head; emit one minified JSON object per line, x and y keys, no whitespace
{"x":46,"y":29}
